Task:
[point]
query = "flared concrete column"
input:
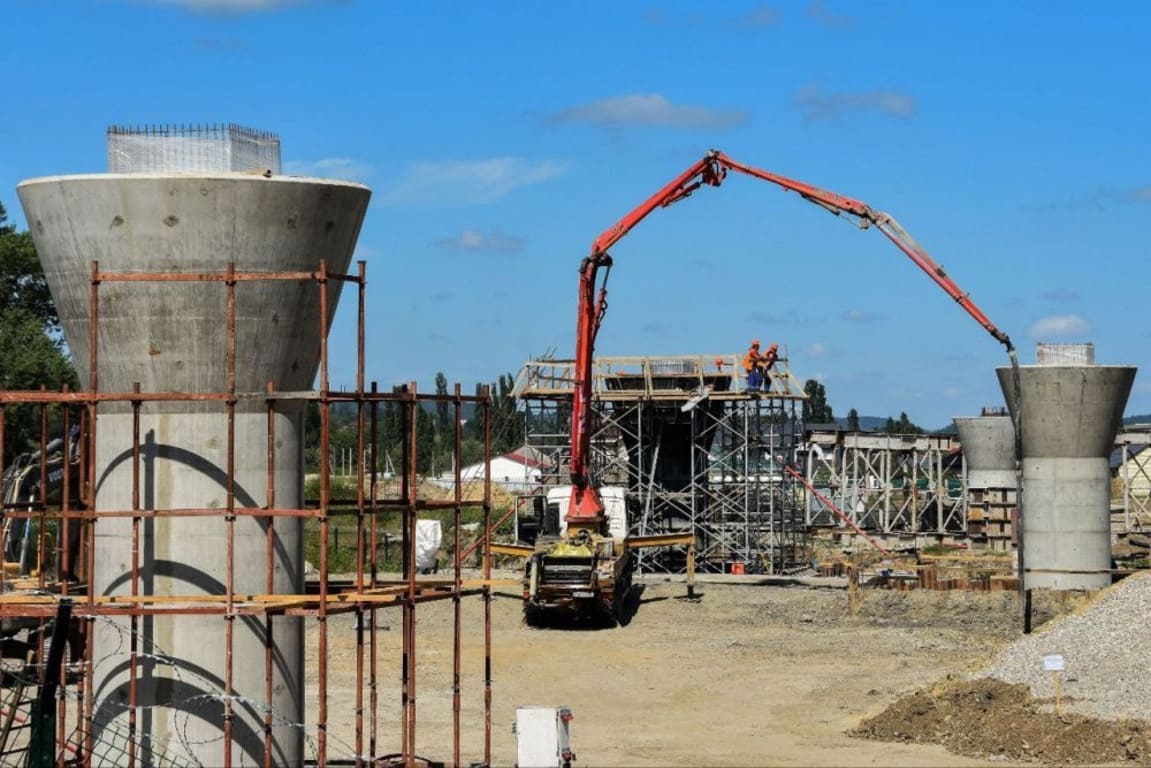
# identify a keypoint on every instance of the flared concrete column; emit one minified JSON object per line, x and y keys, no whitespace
{"x":1070,"y":415}
{"x":988,"y":449}
{"x":173,"y":337}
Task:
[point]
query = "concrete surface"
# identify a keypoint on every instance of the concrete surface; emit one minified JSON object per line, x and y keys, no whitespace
{"x":989,"y":450}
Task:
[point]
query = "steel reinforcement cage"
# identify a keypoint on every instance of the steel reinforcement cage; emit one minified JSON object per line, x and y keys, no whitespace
{"x":192,"y":148}
{"x":29,"y":603}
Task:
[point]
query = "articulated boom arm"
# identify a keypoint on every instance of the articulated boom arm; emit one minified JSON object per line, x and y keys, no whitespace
{"x":838,"y":204}
{"x":586,"y":506}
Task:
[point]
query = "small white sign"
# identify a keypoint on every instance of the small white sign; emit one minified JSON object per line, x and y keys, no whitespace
{"x":1053,"y":663}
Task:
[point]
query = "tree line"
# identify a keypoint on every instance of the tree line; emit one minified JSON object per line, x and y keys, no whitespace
{"x":435,"y":430}
{"x":32,"y":351}
{"x":816,"y":410}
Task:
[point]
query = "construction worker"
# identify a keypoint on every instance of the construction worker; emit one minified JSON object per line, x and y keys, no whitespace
{"x":751,"y":366}
{"x":766,"y":361}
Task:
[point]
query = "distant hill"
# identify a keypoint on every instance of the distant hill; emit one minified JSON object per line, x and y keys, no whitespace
{"x":866,"y":423}
{"x":1139,"y":418}
{"x":876,"y":423}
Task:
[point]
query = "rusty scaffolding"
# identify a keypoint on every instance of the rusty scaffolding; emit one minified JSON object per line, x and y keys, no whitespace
{"x":694,"y":449}
{"x":29,"y":603}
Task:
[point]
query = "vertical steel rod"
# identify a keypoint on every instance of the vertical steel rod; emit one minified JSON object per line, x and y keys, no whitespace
{"x":325,"y":501}
{"x":487,"y":577}
{"x":270,"y":579}
{"x":41,"y":539}
{"x":457,"y":585}
{"x":406,"y":460}
{"x":412,"y":519}
{"x":133,"y":669}
{"x":373,"y":701}
{"x":90,"y":526}
{"x":62,"y":563}
{"x":360,"y":532}
{"x":230,"y":523}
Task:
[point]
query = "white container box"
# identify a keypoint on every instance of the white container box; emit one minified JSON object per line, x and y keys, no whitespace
{"x":543,"y":738}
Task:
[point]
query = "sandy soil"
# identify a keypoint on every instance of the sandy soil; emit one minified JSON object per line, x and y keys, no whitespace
{"x":748,"y":674}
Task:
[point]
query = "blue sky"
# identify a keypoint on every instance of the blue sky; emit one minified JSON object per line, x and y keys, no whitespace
{"x":500,"y":138}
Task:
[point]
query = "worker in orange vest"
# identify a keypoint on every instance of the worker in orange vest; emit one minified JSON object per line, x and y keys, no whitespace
{"x":766,"y":361}
{"x":758,"y":366}
{"x":751,"y":367}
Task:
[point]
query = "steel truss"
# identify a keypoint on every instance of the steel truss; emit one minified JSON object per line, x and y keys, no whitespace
{"x":1135,"y":478}
{"x":887,"y":483}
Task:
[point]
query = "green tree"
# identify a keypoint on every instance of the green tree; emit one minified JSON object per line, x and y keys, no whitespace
{"x":853,"y":420}
{"x":443,"y":408}
{"x":907,"y":426}
{"x":425,"y":442}
{"x":506,"y":421}
{"x":904,"y":426}
{"x":32,"y":352}
{"x":22,"y":283}
{"x":445,"y":426}
{"x":816,"y":409}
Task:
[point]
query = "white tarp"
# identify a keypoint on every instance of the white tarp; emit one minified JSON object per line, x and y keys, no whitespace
{"x":429,"y":537}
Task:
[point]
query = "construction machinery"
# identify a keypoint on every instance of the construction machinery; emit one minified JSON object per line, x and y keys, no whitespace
{"x":588,"y":566}
{"x":31,"y":483}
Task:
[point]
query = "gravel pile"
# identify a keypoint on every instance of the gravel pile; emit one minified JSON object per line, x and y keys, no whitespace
{"x":1105,"y":650}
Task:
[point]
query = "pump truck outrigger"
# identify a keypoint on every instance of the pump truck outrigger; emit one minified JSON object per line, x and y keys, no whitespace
{"x":587,"y":567}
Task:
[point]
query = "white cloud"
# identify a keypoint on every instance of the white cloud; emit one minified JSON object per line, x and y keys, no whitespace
{"x":475,"y":240}
{"x":817,"y":105}
{"x":452,"y":183}
{"x":649,"y":109}
{"x":228,"y":6}
{"x":1060,"y":294}
{"x":816,"y":350}
{"x":856,"y":315}
{"x":760,"y":16}
{"x":330,"y":168}
{"x":818,"y":12}
{"x":1101,"y":199}
{"x":1060,"y":327}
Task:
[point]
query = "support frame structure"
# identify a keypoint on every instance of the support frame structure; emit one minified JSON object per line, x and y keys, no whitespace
{"x":28,"y":603}
{"x":694,"y":449}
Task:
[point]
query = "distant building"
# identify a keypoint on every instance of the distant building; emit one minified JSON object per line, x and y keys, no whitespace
{"x":521,"y":470}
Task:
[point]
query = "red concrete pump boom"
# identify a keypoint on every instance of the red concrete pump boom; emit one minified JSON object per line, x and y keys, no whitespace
{"x":586,"y":508}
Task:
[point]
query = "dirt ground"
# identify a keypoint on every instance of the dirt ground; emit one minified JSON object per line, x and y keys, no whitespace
{"x":991,"y":718}
{"x":748,"y":674}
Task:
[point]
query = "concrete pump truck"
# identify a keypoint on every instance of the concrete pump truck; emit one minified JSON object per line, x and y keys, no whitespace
{"x":585,"y":568}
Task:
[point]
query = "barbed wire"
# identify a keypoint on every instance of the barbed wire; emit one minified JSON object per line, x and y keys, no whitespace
{"x":112,"y":741}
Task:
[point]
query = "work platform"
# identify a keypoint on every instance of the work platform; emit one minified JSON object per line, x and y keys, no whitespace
{"x":665,"y":378}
